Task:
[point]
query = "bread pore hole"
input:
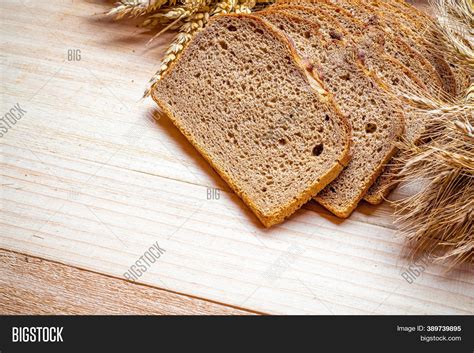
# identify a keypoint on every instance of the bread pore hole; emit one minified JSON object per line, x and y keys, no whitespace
{"x":345,"y":77}
{"x":318,"y":149}
{"x":232,"y":28}
{"x":370,"y":128}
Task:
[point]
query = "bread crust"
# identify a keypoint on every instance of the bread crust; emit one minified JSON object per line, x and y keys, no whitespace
{"x":288,"y":209}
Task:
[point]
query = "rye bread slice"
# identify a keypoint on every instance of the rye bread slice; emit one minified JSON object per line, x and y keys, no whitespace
{"x":393,"y":45}
{"x":417,"y":63}
{"x":375,"y":115}
{"x":392,"y":24}
{"x":370,"y":39}
{"x":422,"y":23}
{"x":257,"y":116}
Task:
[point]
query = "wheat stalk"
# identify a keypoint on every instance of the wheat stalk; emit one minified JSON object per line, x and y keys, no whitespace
{"x":439,"y":218}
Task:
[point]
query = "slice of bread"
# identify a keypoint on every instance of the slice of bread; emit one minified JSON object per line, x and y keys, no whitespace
{"x":321,"y":10}
{"x":393,"y":46}
{"x":259,"y":118}
{"x":417,"y":63}
{"x":395,"y":77}
{"x":370,"y":39}
{"x":376,"y":115}
{"x":422,"y":23}
{"x":394,"y":25}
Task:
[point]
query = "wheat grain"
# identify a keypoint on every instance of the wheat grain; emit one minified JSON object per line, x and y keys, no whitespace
{"x":135,"y":8}
{"x":439,"y":219}
{"x":224,"y":7}
{"x":455,"y":19}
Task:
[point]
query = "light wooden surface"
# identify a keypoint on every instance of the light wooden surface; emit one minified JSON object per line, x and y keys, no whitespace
{"x":92,"y":176}
{"x":35,"y":286}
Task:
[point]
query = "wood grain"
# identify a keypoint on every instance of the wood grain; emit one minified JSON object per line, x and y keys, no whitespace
{"x":31,"y":285}
{"x":92,"y":176}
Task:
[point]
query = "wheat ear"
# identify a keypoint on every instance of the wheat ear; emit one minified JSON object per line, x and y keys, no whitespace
{"x":135,"y":8}
{"x":455,"y":19}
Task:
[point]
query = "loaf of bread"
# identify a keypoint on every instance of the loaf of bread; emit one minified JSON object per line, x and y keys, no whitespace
{"x":241,"y":97}
{"x":375,"y":114}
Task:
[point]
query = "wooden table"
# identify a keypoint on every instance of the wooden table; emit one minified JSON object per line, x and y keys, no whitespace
{"x":92,"y":176}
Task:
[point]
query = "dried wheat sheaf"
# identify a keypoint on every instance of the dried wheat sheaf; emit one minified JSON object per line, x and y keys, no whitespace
{"x":439,"y":218}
